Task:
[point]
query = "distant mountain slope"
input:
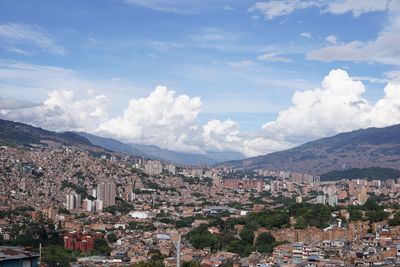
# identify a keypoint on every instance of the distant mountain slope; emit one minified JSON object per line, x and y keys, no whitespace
{"x":155,"y":152}
{"x":112,"y":144}
{"x":371,"y":173}
{"x":372,"y":147}
{"x":15,"y":133}
{"x":176,"y":157}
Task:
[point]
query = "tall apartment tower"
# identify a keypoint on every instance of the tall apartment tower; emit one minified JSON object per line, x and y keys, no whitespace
{"x":73,"y":201}
{"x":106,"y":193}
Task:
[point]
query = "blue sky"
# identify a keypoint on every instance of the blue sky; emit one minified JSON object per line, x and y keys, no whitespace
{"x":245,"y":59}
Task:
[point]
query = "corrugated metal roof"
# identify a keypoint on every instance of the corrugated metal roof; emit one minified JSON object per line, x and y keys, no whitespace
{"x":12,"y":253}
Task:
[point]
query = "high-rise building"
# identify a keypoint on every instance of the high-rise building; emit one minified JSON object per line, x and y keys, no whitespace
{"x":332,"y":200}
{"x":321,"y":199}
{"x":197,"y":172}
{"x":73,"y":201}
{"x":69,"y":203}
{"x":217,"y":181}
{"x":98,"y":204}
{"x":275,"y":187}
{"x":171,"y":168}
{"x":87,"y":205}
{"x":106,"y":193}
{"x":363,"y":196}
{"x":153,"y":167}
{"x":128,"y":196}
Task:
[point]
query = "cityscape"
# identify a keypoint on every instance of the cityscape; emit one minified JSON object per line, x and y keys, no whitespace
{"x":87,"y":208}
{"x":240,"y":165}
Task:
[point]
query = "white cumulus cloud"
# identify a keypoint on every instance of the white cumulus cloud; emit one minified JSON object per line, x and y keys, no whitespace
{"x":170,"y":120}
{"x":163,"y":118}
{"x":222,"y":135}
{"x":337,"y":106}
{"x":62,"y":111}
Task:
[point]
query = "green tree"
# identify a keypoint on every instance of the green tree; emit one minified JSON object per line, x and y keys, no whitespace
{"x":265,"y":243}
{"x":377,"y":215}
{"x":356,"y":215}
{"x":57,"y":256}
{"x":371,"y":204}
{"x":396,"y":220}
{"x":300,"y":223}
{"x":247,"y":235}
{"x":101,"y":247}
{"x":201,"y":238}
{"x":112,"y":237}
{"x":190,"y":264}
{"x":149,"y":263}
{"x":241,"y":247}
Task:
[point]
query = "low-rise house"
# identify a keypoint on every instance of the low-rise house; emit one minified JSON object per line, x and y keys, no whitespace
{"x":18,"y":257}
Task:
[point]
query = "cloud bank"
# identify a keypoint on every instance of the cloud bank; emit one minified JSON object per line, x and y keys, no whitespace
{"x":170,"y":121}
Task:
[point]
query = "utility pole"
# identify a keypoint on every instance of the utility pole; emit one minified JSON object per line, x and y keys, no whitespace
{"x":40,"y":253}
{"x":178,"y":253}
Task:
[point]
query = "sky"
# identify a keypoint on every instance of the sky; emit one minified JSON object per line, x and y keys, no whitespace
{"x":198,"y":76}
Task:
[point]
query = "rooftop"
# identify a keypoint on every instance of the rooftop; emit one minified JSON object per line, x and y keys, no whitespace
{"x":13,"y":253}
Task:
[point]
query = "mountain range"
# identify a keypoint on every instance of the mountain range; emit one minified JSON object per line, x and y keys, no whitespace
{"x":154,"y":152}
{"x":365,"y":148}
{"x":372,"y":147}
{"x":15,"y":133}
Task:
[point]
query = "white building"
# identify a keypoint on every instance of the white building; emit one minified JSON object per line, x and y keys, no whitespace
{"x":332,"y":200}
{"x":171,"y":168}
{"x":139,"y":214}
{"x":120,"y":226}
{"x":88,"y":205}
{"x":98,"y":205}
{"x":321,"y":199}
{"x":197,"y":173}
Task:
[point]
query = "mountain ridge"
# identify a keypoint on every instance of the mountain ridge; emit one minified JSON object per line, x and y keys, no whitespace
{"x":17,"y":133}
{"x":363,"y":148}
{"x":155,"y":152}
